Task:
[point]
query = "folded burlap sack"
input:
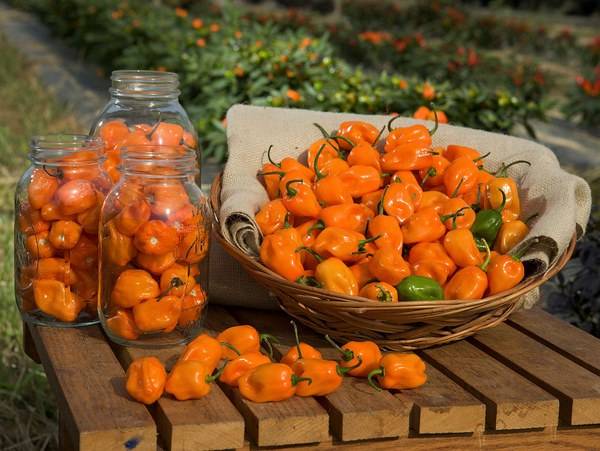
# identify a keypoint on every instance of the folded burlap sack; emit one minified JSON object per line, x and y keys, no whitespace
{"x":562,"y":200}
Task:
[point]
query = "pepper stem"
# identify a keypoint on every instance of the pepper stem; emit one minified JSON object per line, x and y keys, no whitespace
{"x":342,"y":370}
{"x":286,"y":220}
{"x":379,"y":135}
{"x":436,"y":125}
{"x":230,"y":346}
{"x":347,"y":354}
{"x":279,"y":173}
{"x":318,"y":173}
{"x":309,"y":281}
{"x":503,"y":204}
{"x":380,"y":210}
{"x":267,"y":339}
{"x":271,"y":159}
{"x":453,"y":216}
{"x":319,"y":225}
{"x":297,"y":379}
{"x":431,"y":172}
{"x":488,"y":256}
{"x":310,"y":251}
{"x":485,"y":155}
{"x":213,"y":377}
{"x":291,"y":192}
{"x":361,"y":243}
{"x":502,"y":172}
{"x":297,"y":338}
{"x":389,"y":124}
{"x":455,"y":192}
{"x":376,"y":372}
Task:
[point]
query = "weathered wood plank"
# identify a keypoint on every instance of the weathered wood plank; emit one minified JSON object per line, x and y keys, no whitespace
{"x":442,"y":406}
{"x":199,"y":424}
{"x":90,"y":390}
{"x":356,"y":410}
{"x":29,"y":345}
{"x":577,"y":388}
{"x":294,"y":421}
{"x":564,"y":338}
{"x":512,"y":402}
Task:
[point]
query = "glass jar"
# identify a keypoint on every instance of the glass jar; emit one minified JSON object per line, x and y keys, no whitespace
{"x":143,"y":109}
{"x":154,"y":238}
{"x":57,"y":210}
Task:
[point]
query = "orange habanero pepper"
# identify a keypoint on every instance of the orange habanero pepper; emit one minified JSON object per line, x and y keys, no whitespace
{"x":360,"y":180}
{"x":244,"y":339}
{"x":510,"y":234}
{"x":434,"y":174}
{"x":364,"y":154}
{"x":413,"y":134}
{"x":41,"y":189}
{"x":362,"y":273}
{"x":506,"y":271}
{"x":347,"y":245}
{"x":357,"y":131}
{"x":387,"y":265}
{"x":55,"y":299}
{"x":278,"y":253}
{"x":157,"y":314}
{"x":189,"y":379}
{"x":461,"y":247}
{"x":435,"y":199}
{"x":460,"y":177}
{"x":146,"y":378}
{"x":236,"y":368}
{"x":320,"y":377}
{"x":456,"y":214}
{"x":205,"y":349}
{"x":468,"y":283}
{"x":387,"y":228}
{"x":424,"y":225}
{"x":431,"y":260}
{"x":132,"y":287}
{"x":268,"y":383}
{"x":347,"y":216}
{"x":398,"y":201}
{"x":271,"y":217}
{"x":121,"y":323}
{"x":307,"y":351}
{"x":364,"y":353}
{"x":300,"y":200}
{"x":379,"y":291}
{"x":399,"y":371}
{"x":512,"y":208}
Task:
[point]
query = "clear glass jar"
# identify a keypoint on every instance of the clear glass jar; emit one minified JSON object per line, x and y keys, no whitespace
{"x":143,"y":109}
{"x":57,"y":209}
{"x":154,"y":238}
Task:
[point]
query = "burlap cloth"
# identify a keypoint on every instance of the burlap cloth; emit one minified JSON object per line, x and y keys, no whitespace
{"x":562,"y":200}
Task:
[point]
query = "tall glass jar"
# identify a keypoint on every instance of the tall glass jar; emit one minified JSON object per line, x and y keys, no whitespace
{"x":154,"y":238}
{"x":143,"y":109}
{"x":57,"y":209}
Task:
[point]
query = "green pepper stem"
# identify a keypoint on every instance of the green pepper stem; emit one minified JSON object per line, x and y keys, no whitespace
{"x":318,"y":173}
{"x":286,"y":220}
{"x":454,"y":215}
{"x":383,"y":293}
{"x":482,"y":157}
{"x":342,"y":370}
{"x":213,"y":377}
{"x":230,"y":346}
{"x":343,"y":138}
{"x":488,"y":256}
{"x":379,"y":135}
{"x":271,"y":159}
{"x":310,"y":251}
{"x":389,"y":124}
{"x":502,"y":172}
{"x":431,"y":172}
{"x":476,"y":206}
{"x":297,"y":379}
{"x":503,"y":204}
{"x":455,"y":192}
{"x":297,"y":338}
{"x":319,"y":225}
{"x":324,"y":132}
{"x":268,"y":340}
{"x":436,"y":125}
{"x":361,"y":243}
{"x":291,"y":192}
{"x":279,"y":173}
{"x":309,"y":281}
{"x":347,"y":354}
{"x":376,"y":372}
{"x":380,"y":210}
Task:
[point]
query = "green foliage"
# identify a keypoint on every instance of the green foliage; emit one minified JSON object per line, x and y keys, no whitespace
{"x":233,"y":59}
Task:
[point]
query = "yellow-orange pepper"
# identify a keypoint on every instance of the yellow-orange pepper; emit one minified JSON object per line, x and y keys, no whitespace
{"x":269,"y":382}
{"x":307,"y":351}
{"x":387,"y":265}
{"x":431,"y":260}
{"x":423,"y":225}
{"x":300,"y":200}
{"x":278,"y":252}
{"x":205,"y":349}
{"x":361,"y":356}
{"x":236,"y":368}
{"x":55,"y":299}
{"x":146,"y":379}
{"x":244,"y":339}
{"x":461,"y":247}
{"x":509,"y":235}
{"x":334,"y":275}
{"x":379,"y":291}
{"x":272,"y":217}
{"x":512,"y":207}
{"x":348,"y":216}
{"x":189,"y":379}
{"x":399,"y":371}
{"x":356,"y":132}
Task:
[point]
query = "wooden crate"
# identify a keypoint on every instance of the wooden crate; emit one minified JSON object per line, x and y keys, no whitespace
{"x":531,"y":383}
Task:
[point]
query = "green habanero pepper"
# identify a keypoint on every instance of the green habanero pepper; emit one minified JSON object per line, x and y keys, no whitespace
{"x":419,"y":288}
{"x":488,"y":222}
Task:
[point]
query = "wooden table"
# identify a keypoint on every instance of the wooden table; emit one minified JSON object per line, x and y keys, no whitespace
{"x":532,"y":383}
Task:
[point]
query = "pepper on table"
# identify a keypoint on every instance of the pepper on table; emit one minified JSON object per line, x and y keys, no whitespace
{"x":365,"y":354}
{"x":238,"y":340}
{"x":190,"y":379}
{"x":145,"y":379}
{"x":204,"y":349}
{"x":236,"y":368}
{"x":269,"y":382}
{"x":299,"y":350}
{"x":398,"y":371}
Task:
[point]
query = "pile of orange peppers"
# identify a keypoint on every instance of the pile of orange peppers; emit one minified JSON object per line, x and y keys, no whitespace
{"x":301,"y":371}
{"x":391,"y":218}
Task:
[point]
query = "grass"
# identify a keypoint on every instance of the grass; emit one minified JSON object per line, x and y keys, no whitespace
{"x":28,"y":415}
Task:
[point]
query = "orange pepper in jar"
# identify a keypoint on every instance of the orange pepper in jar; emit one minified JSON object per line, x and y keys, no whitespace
{"x":155,"y":237}
{"x":132,"y":217}
{"x":132,"y":287}
{"x":31,"y":221}
{"x":191,"y":306}
{"x":90,"y":218}
{"x":178,"y":280}
{"x":55,"y":299}
{"x":84,"y":255}
{"x":157,"y":314}
{"x":39,"y":245}
{"x":76,"y":196}
{"x":156,"y":264}
{"x":41,"y":189}
{"x":64,"y":234}
{"x":119,"y":248}
{"x":55,"y":269}
{"x":122,"y":324}
{"x":146,"y":378}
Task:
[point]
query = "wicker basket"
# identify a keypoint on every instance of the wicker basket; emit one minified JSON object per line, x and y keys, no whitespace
{"x":401,"y":326}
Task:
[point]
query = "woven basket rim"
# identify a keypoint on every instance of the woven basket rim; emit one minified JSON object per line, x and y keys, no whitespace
{"x":358,"y":302}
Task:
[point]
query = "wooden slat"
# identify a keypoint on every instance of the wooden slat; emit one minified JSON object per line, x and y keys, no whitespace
{"x":200,"y":424}
{"x":29,"y":345}
{"x":512,"y":402}
{"x":577,"y":388}
{"x":442,"y":406}
{"x":289,"y":422}
{"x":89,"y":386}
{"x":356,"y":410}
{"x":564,"y":338}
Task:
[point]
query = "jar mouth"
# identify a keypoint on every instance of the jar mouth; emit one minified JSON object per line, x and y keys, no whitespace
{"x":144,"y":84}
{"x":160,"y":161}
{"x":57,"y":148}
